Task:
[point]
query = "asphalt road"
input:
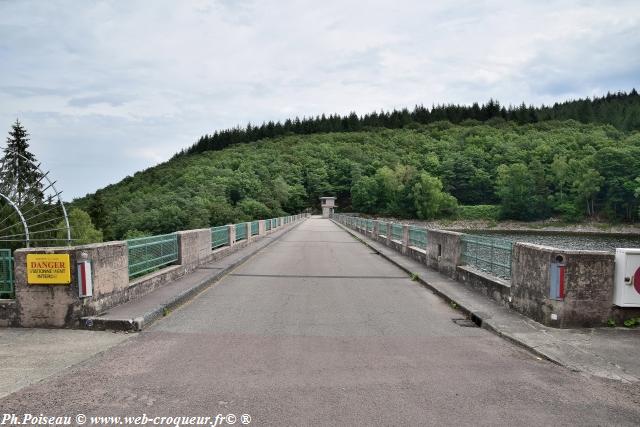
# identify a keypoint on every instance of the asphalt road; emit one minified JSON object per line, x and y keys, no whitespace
{"x":316,"y":329}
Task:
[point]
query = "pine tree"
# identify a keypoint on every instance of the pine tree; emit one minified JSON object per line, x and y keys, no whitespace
{"x":19,"y":174}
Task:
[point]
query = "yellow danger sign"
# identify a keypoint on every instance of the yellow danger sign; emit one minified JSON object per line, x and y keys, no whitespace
{"x":48,"y":269}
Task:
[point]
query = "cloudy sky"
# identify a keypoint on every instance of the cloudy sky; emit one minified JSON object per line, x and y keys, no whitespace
{"x":107,"y":88}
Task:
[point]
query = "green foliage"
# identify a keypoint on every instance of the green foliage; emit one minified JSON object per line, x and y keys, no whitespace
{"x":513,"y":186}
{"x":365,"y":195}
{"x":135,"y":234}
{"x":82,"y":229}
{"x":611,"y":323}
{"x":253,"y":209}
{"x":530,"y":171}
{"x":429,"y":199}
{"x":402,"y":191}
{"x":479,"y":212}
{"x":19,"y":173}
{"x":632,"y":323}
{"x":620,"y":110}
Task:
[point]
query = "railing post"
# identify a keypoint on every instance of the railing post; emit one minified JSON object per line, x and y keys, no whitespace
{"x":405,"y":239}
{"x":388,"y":234}
{"x":262,"y":228}
{"x":249,"y":236}
{"x":232,"y":234}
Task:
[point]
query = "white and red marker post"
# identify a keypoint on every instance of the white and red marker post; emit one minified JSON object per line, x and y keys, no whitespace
{"x":85,"y":281}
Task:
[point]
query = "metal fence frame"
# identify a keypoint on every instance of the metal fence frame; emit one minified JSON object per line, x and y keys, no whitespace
{"x":369,"y":225}
{"x":219,"y":236}
{"x":489,"y":254}
{"x":382,"y":228}
{"x":241,"y":231}
{"x":396,"y":231}
{"x":255,"y":228}
{"x":6,"y":274}
{"x":417,"y":237}
{"x":147,"y":254}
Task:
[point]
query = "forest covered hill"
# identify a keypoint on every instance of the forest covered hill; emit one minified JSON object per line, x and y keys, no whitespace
{"x":531,"y":171}
{"x":621,"y":110}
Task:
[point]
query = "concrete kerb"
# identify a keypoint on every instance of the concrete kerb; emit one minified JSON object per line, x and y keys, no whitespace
{"x":479,"y":318}
{"x":140,"y":322}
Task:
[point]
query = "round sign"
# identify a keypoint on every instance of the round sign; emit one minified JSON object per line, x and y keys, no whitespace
{"x":636,"y":280}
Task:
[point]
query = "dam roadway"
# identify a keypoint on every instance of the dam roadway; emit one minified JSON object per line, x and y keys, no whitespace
{"x":317,"y":329}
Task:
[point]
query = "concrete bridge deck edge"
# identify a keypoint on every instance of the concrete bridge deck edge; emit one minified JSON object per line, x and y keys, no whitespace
{"x":143,"y":318}
{"x":554,"y":345}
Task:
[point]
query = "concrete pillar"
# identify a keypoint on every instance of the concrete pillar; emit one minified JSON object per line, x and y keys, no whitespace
{"x":376,"y":230}
{"x":388,"y":234}
{"x":249,"y":237}
{"x":262,"y":228}
{"x":60,"y":305}
{"x":232,"y":234}
{"x":444,"y":251}
{"x":194,"y":246}
{"x":588,"y":286}
{"x":405,"y":239}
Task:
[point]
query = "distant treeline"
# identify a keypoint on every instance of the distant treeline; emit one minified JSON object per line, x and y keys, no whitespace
{"x":621,"y":110}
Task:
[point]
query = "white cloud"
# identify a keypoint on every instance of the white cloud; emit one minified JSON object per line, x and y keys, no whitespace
{"x":108,"y":88}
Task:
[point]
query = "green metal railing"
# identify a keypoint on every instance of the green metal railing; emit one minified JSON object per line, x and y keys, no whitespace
{"x":369,"y":225}
{"x":488,"y":254}
{"x":396,"y":231}
{"x":147,"y":254}
{"x":219,"y":236}
{"x":255,"y":228}
{"x":382,"y":228}
{"x":241,"y":231}
{"x":6,"y":274}
{"x":417,"y":237}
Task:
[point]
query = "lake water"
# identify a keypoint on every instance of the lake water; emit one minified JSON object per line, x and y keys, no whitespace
{"x":597,"y":242}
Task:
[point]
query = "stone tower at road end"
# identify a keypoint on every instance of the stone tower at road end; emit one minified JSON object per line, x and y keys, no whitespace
{"x":328,"y":204}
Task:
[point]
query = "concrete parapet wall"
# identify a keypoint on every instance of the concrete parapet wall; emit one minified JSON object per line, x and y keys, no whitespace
{"x":8,"y":313}
{"x":588,"y":284}
{"x":194,"y":247}
{"x":444,"y":251}
{"x":589,"y":281}
{"x":493,"y":287}
{"x":57,"y":306}
{"x":417,"y":254}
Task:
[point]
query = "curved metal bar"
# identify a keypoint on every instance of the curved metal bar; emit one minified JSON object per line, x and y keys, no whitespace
{"x":24,"y":223}
{"x":57,"y":194}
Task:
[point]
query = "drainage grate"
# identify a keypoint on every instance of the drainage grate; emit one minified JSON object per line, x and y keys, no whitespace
{"x":465,"y":323}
